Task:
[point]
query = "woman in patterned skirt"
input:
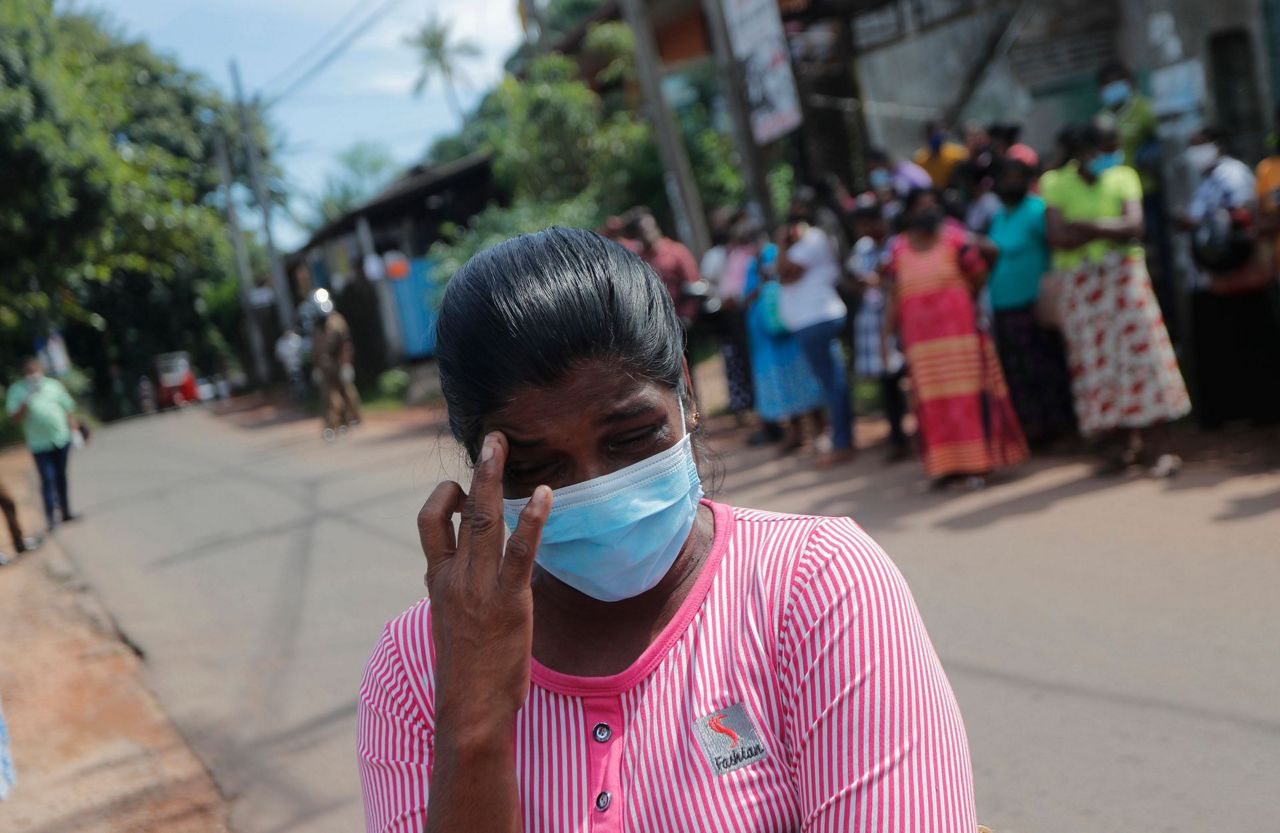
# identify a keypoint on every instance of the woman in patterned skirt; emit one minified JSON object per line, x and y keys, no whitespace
{"x":967,"y":426}
{"x":1124,"y":375}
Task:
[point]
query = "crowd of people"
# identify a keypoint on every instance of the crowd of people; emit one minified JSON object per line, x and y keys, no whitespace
{"x":1008,"y":302}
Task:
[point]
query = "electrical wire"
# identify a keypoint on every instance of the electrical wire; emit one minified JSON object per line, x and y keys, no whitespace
{"x":334,"y":53}
{"x":321,"y":43}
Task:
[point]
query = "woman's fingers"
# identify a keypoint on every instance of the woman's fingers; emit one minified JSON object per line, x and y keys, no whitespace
{"x":435,"y":523}
{"x":482,"y":512}
{"x":517,"y":563}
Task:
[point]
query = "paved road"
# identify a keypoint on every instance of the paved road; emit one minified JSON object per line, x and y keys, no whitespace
{"x":1113,"y":644}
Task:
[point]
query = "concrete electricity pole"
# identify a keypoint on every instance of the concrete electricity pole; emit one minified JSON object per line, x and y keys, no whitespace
{"x":682,"y":191}
{"x":734,"y":87}
{"x":261,"y":372}
{"x":280,"y":281}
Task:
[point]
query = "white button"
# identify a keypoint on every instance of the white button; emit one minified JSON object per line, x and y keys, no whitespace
{"x":602,"y":732}
{"x":602,"y":801}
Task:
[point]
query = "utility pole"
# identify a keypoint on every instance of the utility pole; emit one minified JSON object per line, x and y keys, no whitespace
{"x":682,"y":191}
{"x":260,"y":370}
{"x":735,"y":94}
{"x":284,"y":298}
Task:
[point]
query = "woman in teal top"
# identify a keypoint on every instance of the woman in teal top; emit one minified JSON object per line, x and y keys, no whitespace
{"x":1033,"y":357}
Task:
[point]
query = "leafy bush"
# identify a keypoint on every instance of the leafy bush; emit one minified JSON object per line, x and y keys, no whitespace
{"x":393,"y":384}
{"x":497,"y":223}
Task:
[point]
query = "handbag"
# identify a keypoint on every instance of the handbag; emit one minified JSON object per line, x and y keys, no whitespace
{"x":1049,"y":302}
{"x":771,"y":308}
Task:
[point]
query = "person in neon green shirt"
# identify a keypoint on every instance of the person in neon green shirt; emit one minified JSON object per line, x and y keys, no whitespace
{"x":1135,"y":120}
{"x":46,"y":412}
{"x":1124,"y":375}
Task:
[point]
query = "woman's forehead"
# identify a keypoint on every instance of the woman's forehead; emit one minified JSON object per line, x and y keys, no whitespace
{"x":595,"y":391}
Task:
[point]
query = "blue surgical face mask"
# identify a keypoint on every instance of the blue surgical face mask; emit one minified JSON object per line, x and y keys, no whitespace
{"x":616,"y":536}
{"x":1104,"y":162}
{"x":879,"y":179}
{"x":1116,"y":93}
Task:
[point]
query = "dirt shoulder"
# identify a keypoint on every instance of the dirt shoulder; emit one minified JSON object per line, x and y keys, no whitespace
{"x":92,"y":748}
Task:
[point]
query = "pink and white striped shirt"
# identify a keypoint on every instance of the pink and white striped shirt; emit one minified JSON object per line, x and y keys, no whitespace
{"x":795,"y":690}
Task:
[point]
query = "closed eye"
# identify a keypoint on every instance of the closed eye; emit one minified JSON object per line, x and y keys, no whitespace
{"x":640,"y":438}
{"x":528,"y":471}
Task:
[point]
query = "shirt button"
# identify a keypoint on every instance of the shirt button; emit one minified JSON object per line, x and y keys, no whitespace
{"x":602,"y":732}
{"x":603,"y":800}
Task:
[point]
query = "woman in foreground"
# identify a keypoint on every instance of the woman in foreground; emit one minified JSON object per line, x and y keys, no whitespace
{"x":635,"y":657}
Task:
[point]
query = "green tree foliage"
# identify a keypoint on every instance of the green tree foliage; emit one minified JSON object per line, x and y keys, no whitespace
{"x":570,"y":148}
{"x":362,"y":170}
{"x":58,"y":170}
{"x":110,"y":227}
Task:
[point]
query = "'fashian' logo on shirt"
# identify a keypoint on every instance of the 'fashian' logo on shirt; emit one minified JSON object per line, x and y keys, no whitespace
{"x":730,"y":739}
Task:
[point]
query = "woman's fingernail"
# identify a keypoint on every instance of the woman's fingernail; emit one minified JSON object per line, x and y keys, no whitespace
{"x":541,"y":497}
{"x":486,"y":451}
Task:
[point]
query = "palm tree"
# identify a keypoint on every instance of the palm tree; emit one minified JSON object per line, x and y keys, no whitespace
{"x":439,"y":56}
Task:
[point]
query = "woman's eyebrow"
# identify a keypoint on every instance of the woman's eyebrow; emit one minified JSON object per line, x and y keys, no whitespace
{"x":627,"y":412}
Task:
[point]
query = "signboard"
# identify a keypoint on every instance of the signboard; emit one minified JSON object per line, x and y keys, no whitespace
{"x":760,"y":50}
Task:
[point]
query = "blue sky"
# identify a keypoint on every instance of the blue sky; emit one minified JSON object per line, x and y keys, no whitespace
{"x":366,"y":94}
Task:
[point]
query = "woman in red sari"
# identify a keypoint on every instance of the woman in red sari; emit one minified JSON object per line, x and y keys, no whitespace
{"x":967,"y":425}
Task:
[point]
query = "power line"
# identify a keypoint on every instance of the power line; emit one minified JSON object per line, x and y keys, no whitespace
{"x":302,"y":59}
{"x":338,"y":49}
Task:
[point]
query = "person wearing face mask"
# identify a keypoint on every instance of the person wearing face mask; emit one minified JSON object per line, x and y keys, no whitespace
{"x":892,"y":179}
{"x":940,"y":157}
{"x":871,"y":362}
{"x":634,"y":656}
{"x":46,"y":412}
{"x":1234,"y":326}
{"x":1033,"y":357}
{"x":967,"y":427}
{"x":811,"y":308}
{"x":1134,"y":118}
{"x":1125,"y":377}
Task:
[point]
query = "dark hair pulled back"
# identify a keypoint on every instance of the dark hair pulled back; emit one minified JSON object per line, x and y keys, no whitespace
{"x":527,"y":311}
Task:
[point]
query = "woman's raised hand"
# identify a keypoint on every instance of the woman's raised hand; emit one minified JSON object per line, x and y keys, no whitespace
{"x":481,"y":601}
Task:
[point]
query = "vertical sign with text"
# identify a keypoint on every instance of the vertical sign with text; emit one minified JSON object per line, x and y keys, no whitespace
{"x":760,"y":50}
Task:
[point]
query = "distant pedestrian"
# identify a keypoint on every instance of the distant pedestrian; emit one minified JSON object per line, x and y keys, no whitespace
{"x":21,"y":543}
{"x":940,"y":156}
{"x":892,"y":179}
{"x":784,"y":387}
{"x":289,"y":352}
{"x":674,"y":264}
{"x":7,"y":774}
{"x":1136,"y":123}
{"x":47,"y":415}
{"x":967,"y":427}
{"x":811,"y":309}
{"x":1033,"y":357}
{"x":1235,"y":330}
{"x":1268,"y":193}
{"x":1125,"y":376}
{"x":741,"y":248}
{"x":876,"y":355}
{"x":333,"y":357}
